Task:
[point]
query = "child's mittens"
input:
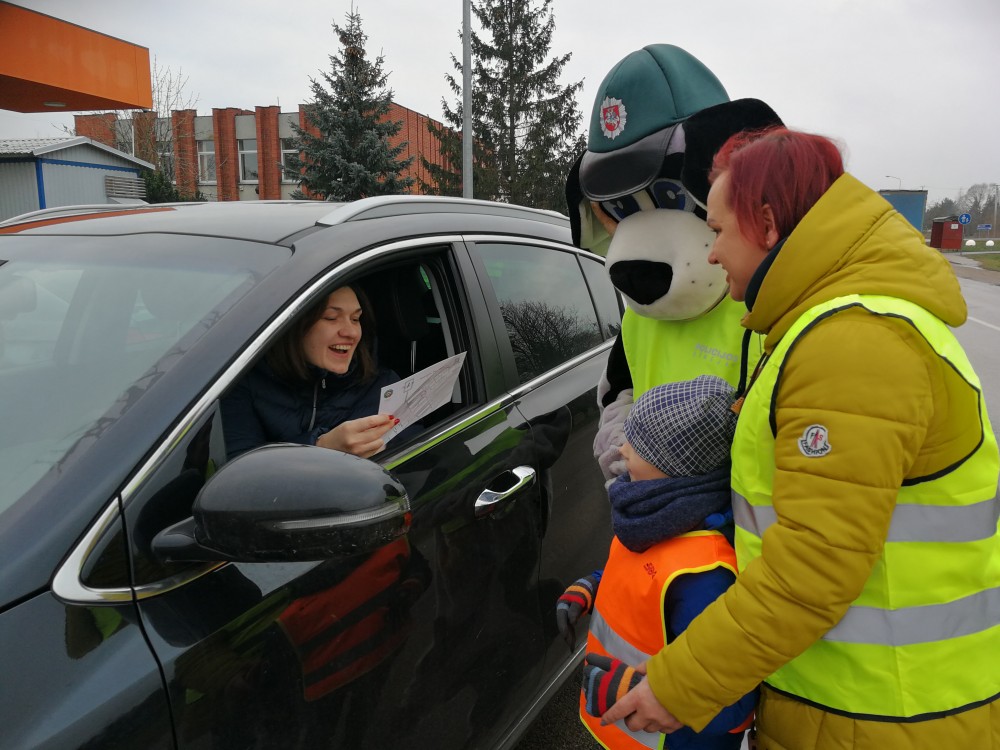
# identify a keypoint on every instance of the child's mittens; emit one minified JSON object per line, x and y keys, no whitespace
{"x":576,"y":601}
{"x":605,"y":680}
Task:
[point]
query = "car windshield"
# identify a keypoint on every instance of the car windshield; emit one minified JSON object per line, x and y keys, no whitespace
{"x":87,"y":323}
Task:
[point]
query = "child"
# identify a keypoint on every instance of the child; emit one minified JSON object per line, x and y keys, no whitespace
{"x":672,"y":555}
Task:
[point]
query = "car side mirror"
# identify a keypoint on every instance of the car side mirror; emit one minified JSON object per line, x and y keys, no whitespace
{"x":289,"y":503}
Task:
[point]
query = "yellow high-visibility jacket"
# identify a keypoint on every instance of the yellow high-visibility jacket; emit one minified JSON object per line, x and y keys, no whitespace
{"x":893,"y":412}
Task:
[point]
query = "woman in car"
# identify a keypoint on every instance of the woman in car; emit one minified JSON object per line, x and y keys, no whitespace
{"x":318,"y":385}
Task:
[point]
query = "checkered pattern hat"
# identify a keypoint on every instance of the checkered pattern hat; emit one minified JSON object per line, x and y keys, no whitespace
{"x":686,"y":428}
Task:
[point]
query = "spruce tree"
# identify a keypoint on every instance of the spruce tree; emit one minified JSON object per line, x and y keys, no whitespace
{"x":525,"y":124}
{"x":351,"y":157}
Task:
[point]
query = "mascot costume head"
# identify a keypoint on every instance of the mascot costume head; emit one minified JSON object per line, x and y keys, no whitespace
{"x":637,"y":195}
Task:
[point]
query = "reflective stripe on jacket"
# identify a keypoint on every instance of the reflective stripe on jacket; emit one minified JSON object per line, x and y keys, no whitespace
{"x":623,"y":625}
{"x":929,"y":614}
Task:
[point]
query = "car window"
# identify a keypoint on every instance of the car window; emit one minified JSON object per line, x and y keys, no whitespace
{"x":413,"y":300}
{"x":34,"y":305}
{"x":545,"y":302}
{"x":412,"y":332}
{"x":416,"y":307}
{"x":410,"y":324}
{"x":606,"y":297}
{"x":82,"y":331}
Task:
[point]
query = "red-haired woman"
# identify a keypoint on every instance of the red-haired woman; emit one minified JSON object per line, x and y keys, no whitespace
{"x":864,"y":480}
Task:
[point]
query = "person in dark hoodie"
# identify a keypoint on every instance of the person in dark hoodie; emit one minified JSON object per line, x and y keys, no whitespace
{"x":671,"y":556}
{"x":318,"y":385}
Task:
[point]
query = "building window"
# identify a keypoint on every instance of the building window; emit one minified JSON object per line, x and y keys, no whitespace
{"x":288,"y":149}
{"x":248,"y":160}
{"x":206,"y":161}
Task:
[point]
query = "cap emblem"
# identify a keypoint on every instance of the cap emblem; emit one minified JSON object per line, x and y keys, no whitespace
{"x":613,"y":117}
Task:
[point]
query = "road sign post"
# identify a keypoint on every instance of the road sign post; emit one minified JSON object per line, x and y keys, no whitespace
{"x":964,"y":220}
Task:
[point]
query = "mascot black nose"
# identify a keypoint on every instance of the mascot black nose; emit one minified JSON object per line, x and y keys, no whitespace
{"x":644,"y":281}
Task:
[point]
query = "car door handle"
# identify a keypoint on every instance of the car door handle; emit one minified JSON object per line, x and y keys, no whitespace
{"x":489,"y":501}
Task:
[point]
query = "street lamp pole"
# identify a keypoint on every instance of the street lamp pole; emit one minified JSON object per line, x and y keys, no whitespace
{"x":893,"y":177}
{"x":466,"y":98}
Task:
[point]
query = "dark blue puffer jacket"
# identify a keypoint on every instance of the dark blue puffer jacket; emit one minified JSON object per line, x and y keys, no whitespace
{"x":262,"y":408}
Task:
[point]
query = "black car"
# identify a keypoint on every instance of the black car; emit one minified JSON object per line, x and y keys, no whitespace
{"x":154,"y":595}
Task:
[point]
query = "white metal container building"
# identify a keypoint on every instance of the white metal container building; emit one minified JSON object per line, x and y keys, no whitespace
{"x":46,"y":172}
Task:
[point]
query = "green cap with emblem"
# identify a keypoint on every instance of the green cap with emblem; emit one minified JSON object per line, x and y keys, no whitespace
{"x":638,"y":106}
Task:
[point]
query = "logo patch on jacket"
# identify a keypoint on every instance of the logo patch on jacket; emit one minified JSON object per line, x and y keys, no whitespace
{"x":815,"y":441}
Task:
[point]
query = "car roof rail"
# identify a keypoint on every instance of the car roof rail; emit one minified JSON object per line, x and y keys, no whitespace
{"x":381,"y":206}
{"x":59,"y":211}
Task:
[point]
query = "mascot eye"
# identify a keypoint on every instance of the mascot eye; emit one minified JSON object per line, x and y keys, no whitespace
{"x":619,"y":208}
{"x":663,"y":193}
{"x":670,"y":194}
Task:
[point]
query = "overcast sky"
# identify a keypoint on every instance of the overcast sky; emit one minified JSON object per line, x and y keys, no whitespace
{"x":908,"y":87}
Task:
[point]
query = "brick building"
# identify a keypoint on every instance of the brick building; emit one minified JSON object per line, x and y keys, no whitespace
{"x":238,"y":154}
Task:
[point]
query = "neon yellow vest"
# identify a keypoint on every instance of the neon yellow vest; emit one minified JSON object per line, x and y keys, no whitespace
{"x":923,"y":638}
{"x":667,"y":351}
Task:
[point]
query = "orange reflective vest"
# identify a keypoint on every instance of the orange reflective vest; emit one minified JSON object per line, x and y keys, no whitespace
{"x":623,"y":625}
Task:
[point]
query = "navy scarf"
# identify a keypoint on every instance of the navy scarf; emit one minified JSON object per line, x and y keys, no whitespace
{"x":650,"y":511}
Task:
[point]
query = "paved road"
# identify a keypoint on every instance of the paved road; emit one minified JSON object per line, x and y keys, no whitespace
{"x":980,"y":336}
{"x":558,"y":728}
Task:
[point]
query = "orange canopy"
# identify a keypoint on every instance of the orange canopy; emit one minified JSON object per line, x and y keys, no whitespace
{"x":49,"y":65}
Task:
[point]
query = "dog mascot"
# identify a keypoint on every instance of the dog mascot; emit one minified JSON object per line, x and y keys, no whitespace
{"x":637,"y":195}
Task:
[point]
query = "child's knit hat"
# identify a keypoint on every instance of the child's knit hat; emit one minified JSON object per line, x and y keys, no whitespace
{"x":686,"y":428}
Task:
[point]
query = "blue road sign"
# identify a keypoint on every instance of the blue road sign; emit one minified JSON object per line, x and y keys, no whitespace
{"x":965,"y":218}
{"x":983,"y":227}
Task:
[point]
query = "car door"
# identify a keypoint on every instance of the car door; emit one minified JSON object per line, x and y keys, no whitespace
{"x":434,"y":640}
{"x":555,"y":313}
